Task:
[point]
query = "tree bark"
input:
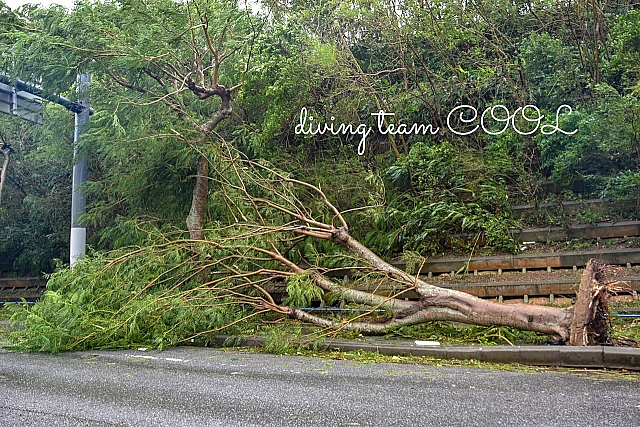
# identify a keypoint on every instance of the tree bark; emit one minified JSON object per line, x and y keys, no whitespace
{"x":5,"y":166}
{"x":435,"y":304}
{"x":446,"y":304}
{"x":589,"y":326}
{"x":195,"y":220}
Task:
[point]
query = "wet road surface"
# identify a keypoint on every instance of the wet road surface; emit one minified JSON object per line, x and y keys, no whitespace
{"x":206,"y":387}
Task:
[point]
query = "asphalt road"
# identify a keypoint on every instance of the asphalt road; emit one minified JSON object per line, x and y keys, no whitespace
{"x":204,"y":387}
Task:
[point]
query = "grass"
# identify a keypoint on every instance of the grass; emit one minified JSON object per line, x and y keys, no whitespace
{"x":365,"y":357}
{"x":288,"y":336}
{"x":4,"y":316}
{"x":285,"y":336}
{"x":450,"y":333}
{"x":626,"y":329}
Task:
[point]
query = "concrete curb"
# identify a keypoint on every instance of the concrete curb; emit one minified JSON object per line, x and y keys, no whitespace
{"x":565,"y":356}
{"x":574,"y":357}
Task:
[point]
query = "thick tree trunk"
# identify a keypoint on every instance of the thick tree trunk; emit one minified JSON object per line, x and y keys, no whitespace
{"x":589,"y":326}
{"x":435,"y":303}
{"x":3,"y":172}
{"x":195,"y":220}
{"x":462,"y":307}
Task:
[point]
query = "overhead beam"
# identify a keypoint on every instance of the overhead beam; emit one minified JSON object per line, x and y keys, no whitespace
{"x":73,"y":106}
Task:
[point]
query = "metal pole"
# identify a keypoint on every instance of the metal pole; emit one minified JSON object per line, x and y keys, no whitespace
{"x":78,"y":200}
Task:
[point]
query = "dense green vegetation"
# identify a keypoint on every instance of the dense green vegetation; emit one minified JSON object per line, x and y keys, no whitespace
{"x":152,"y":63}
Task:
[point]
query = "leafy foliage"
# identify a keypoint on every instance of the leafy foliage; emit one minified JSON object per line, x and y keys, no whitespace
{"x":301,"y":291}
{"x":623,"y":69}
{"x":553,"y":70}
{"x":606,"y":145}
{"x":152,"y":296}
{"x":35,"y":205}
{"x":453,"y":195}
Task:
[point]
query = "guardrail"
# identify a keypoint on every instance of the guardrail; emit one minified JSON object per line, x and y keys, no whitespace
{"x":23,"y":283}
{"x":18,"y":289}
{"x":523,"y":262}
{"x":602,"y":230}
{"x":13,"y":289}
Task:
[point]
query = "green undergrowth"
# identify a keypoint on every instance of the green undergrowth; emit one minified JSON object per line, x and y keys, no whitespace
{"x":5,"y":315}
{"x":625,"y":329}
{"x":290,"y":337}
{"x":449,"y":333}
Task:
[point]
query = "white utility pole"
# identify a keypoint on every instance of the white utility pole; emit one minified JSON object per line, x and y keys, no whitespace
{"x":78,"y":200}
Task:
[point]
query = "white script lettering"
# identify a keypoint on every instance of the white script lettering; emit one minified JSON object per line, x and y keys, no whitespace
{"x":507,"y":118}
{"x":462,"y":120}
{"x":393,"y":129}
{"x":314,"y":129}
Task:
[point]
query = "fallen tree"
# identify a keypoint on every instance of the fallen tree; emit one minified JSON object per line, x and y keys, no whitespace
{"x":435,"y":303}
{"x":172,"y":289}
